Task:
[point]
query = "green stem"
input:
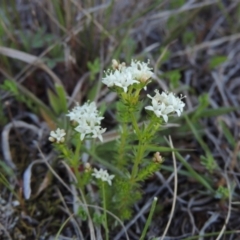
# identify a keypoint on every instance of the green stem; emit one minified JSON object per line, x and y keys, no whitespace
{"x":137,"y":160}
{"x":75,"y":164}
{"x":77,"y":153}
{"x":150,"y":130}
{"x":135,"y":125}
{"x":65,"y":151}
{"x":136,"y":95}
{"x":121,"y":161}
{"x":105,"y":211}
{"x":141,"y":146}
{"x":149,"y":219}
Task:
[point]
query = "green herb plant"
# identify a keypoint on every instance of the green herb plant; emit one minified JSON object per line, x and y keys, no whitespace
{"x":130,"y":160}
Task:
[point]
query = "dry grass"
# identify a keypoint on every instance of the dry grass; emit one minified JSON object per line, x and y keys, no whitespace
{"x":194,"y":36}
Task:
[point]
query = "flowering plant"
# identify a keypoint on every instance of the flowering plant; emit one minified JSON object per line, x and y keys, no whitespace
{"x":130,"y":164}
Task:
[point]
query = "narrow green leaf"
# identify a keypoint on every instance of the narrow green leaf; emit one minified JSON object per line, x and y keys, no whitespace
{"x":228,"y":134}
{"x":54,"y":101}
{"x":194,"y":174}
{"x":62,"y":98}
{"x":58,"y":100}
{"x":214,"y":112}
{"x":217,"y":61}
{"x":209,"y":161}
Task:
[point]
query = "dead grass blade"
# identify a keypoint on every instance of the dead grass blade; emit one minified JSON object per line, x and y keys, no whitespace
{"x":96,"y":23}
{"x":30,"y":59}
{"x":5,"y":141}
{"x":27,"y":179}
{"x":208,"y":44}
{"x":175,"y":191}
{"x":3,"y":229}
{"x":184,"y":8}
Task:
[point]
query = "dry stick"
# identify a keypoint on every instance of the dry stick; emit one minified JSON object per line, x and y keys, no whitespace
{"x":30,"y":59}
{"x":97,"y":207}
{"x":182,"y":9}
{"x":51,"y":16}
{"x":83,"y":204}
{"x":6,"y":232}
{"x":66,"y":209}
{"x":73,"y":189}
{"x":192,"y":220}
{"x":54,"y":20}
{"x":204,"y":45}
{"x":66,"y":38}
{"x":77,"y":88}
{"x":28,"y":67}
{"x":53,"y":171}
{"x":92,"y":234}
{"x":88,"y":15}
{"x":5,"y":142}
{"x":67,"y":8}
{"x":133,"y":220}
{"x":18,"y":77}
{"x":8,"y":33}
{"x":74,"y":31}
{"x":175,"y":190}
{"x":65,"y":185}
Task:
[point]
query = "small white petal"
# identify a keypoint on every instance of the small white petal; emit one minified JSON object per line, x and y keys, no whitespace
{"x":165,"y":117}
{"x":165,"y":103}
{"x":88,"y":120}
{"x":103,"y":175}
{"x":57,"y":136}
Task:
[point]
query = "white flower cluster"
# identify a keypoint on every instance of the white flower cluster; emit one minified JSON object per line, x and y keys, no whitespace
{"x":103,"y":175}
{"x":123,"y":77}
{"x":88,"y":120}
{"x":57,"y":136}
{"x":165,"y":103}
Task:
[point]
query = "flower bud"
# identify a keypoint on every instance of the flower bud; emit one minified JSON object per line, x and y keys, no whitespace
{"x":115,"y":64}
{"x":87,"y":167}
{"x":157,"y":158}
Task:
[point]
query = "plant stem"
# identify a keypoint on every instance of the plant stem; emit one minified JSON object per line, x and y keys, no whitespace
{"x":141,"y":147}
{"x":77,"y":153}
{"x":121,"y":161}
{"x":137,"y":160}
{"x":135,"y":125}
{"x":149,"y":219}
{"x":105,"y":210}
{"x":76,"y":163}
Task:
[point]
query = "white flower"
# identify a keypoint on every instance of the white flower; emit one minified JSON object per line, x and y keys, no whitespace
{"x":97,"y":132}
{"x":88,"y":120}
{"x":83,"y":129}
{"x":85,"y":111}
{"x":165,"y":103}
{"x":141,"y":71}
{"x":125,"y":80}
{"x":57,"y":136}
{"x":124,"y":77}
{"x":103,"y":175}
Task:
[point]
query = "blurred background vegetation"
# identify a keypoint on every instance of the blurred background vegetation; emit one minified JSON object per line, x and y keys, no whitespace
{"x":53,"y":53}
